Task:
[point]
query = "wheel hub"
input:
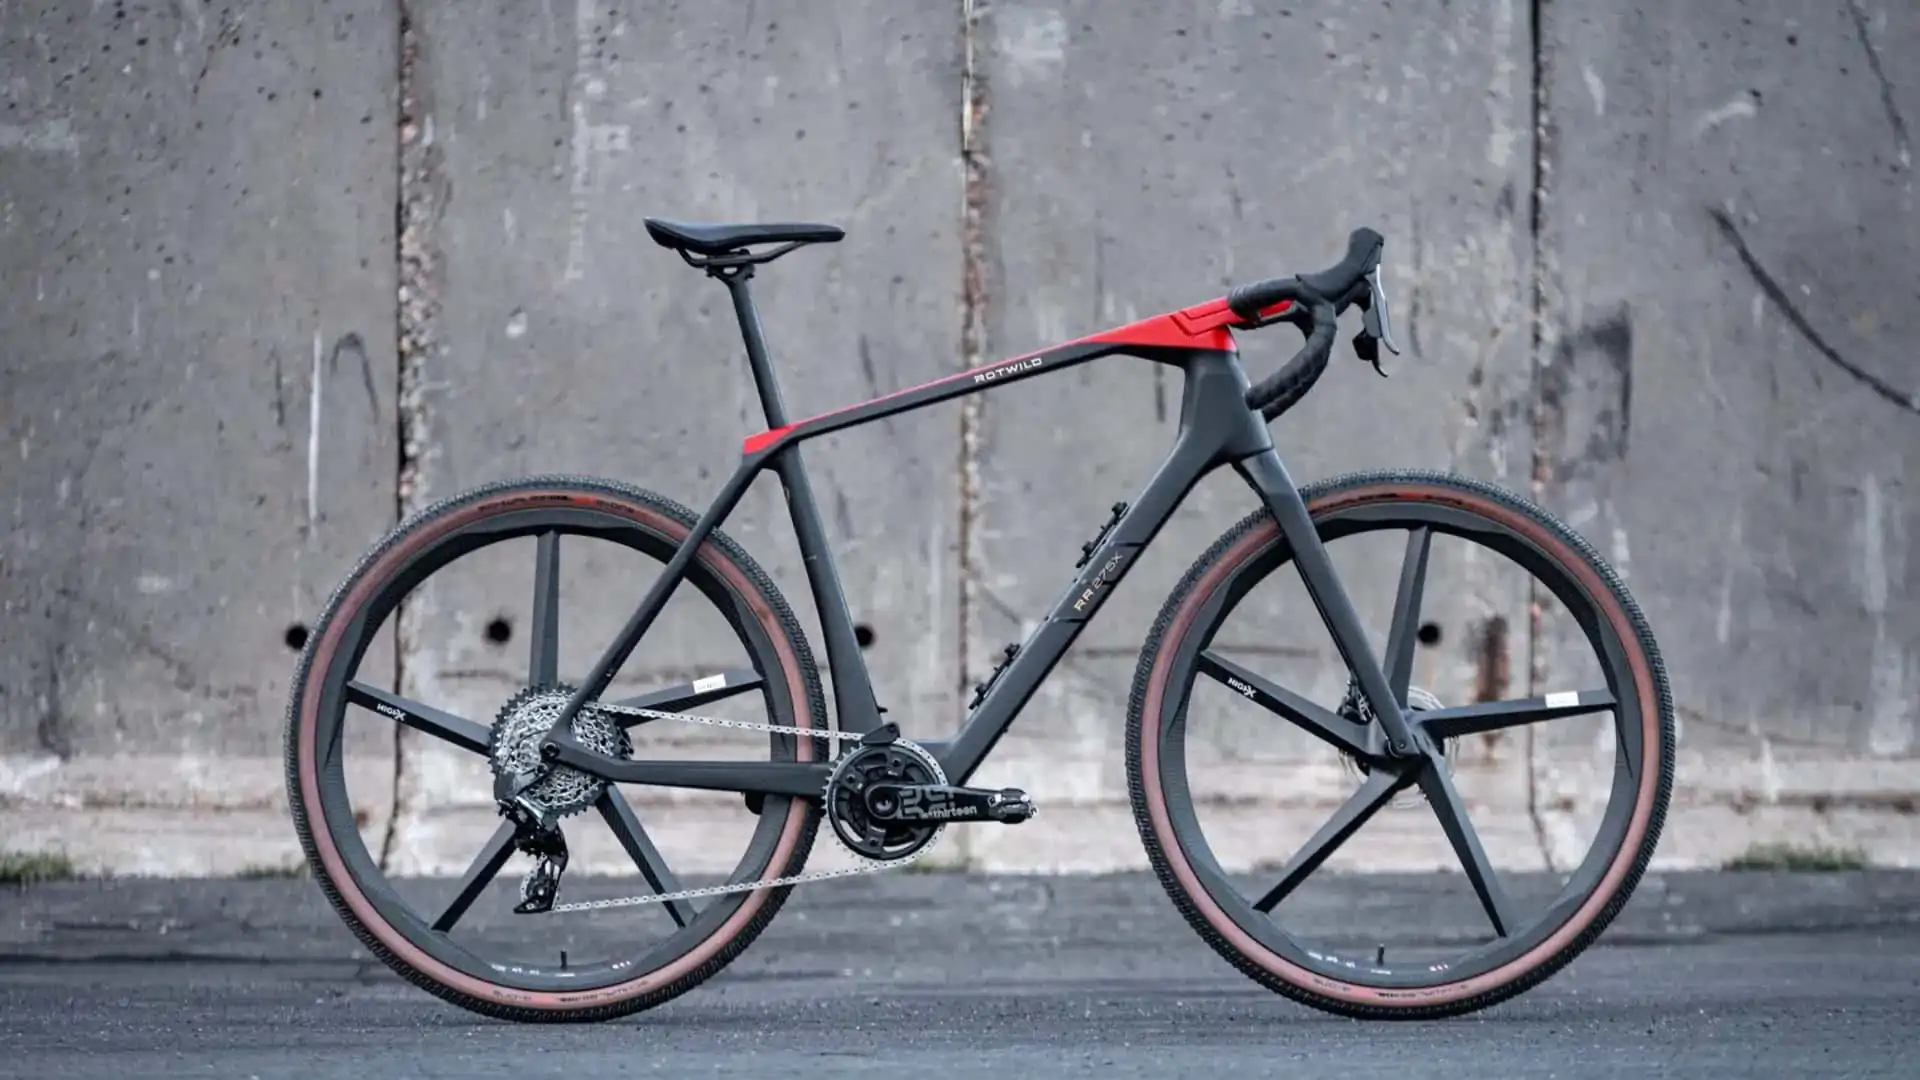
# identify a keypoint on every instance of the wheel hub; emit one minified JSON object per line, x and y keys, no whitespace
{"x":898,"y":762}
{"x":514,"y":748}
{"x":1355,"y":708}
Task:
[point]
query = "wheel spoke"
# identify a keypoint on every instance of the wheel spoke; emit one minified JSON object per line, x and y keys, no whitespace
{"x":459,"y":731}
{"x":1327,"y":726}
{"x":545,"y":660}
{"x":691,"y":695}
{"x":479,"y":875}
{"x":1380,"y":787}
{"x":626,"y":827}
{"x":1406,"y":613}
{"x":1495,"y":715}
{"x":804,"y":779}
{"x":1447,"y":805}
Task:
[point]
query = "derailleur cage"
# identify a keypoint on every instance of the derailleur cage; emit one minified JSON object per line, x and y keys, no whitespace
{"x":536,"y":833}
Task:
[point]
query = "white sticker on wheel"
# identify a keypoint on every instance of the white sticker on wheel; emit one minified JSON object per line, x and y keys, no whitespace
{"x":1563,"y":699}
{"x":711,"y":682}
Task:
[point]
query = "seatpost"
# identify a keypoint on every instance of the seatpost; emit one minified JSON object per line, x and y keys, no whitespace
{"x":763,"y":380}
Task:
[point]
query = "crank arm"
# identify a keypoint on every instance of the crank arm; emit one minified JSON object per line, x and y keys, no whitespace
{"x":944,"y":802}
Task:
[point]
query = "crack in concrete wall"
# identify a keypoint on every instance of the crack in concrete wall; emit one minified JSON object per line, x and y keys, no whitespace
{"x":1540,"y":468}
{"x":973,"y":335}
{"x":1894,"y":119}
{"x":973,"y":331}
{"x":1778,"y":297}
{"x":421,"y":198}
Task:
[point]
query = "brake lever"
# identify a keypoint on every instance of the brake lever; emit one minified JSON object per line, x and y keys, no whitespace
{"x":1367,"y":347}
{"x":1376,"y":325}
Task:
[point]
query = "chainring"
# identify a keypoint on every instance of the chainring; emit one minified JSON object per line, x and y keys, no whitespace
{"x":513,"y":748}
{"x":898,"y":762}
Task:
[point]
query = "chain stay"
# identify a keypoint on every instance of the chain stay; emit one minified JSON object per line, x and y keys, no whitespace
{"x":867,"y":866}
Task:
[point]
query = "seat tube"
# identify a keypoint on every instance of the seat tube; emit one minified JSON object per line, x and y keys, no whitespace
{"x":846,"y":668}
{"x":763,"y":380}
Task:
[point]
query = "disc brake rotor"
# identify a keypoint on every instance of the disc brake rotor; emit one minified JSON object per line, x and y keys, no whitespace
{"x":1355,"y":708}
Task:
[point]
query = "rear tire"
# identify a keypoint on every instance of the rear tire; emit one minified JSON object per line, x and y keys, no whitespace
{"x":1240,"y":930}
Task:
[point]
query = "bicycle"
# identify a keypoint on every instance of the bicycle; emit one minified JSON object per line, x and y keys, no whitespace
{"x":556,"y":750}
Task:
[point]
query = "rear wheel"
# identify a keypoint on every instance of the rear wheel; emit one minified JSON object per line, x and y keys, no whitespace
{"x":1240,"y":907}
{"x":459,"y":939}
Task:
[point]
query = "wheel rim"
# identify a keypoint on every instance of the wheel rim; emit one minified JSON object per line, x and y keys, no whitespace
{"x":1255,"y":558}
{"x":772,"y":838}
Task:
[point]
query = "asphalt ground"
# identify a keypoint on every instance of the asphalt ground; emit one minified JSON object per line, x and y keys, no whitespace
{"x":1704,"y":975}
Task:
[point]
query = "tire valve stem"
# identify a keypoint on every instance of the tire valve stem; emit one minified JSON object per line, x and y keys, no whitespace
{"x":1379,"y":956}
{"x":563,"y":959}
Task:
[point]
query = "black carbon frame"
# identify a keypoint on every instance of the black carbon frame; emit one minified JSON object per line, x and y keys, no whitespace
{"x":1217,"y":427}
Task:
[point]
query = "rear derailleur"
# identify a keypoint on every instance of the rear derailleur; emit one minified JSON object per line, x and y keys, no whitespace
{"x":536,"y":832}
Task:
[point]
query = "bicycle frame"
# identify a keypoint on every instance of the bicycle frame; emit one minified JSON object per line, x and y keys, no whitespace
{"x":1217,"y":427}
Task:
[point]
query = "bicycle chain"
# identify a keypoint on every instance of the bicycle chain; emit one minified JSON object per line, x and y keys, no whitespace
{"x":867,"y":866}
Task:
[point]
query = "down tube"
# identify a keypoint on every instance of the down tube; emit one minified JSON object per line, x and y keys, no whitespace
{"x":1216,"y":428}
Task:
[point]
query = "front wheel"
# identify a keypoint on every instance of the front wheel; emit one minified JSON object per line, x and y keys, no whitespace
{"x":1529,"y":924}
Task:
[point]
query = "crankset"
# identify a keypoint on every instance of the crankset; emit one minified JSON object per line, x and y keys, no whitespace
{"x":886,"y":799}
{"x":945,"y":802}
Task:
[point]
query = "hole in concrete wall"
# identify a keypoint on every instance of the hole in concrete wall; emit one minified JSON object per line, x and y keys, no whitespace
{"x":296,"y":636}
{"x":862,"y":635}
{"x":1428,"y":634}
{"x":499,"y":631}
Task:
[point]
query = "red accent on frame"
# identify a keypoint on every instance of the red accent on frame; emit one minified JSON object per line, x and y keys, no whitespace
{"x":1202,"y":326}
{"x":1216,"y":313}
{"x":1168,"y":329}
{"x":758,"y":442}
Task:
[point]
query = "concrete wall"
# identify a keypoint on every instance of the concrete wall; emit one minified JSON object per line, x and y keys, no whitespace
{"x":1731,"y":261}
{"x":196,"y":240}
{"x":227,"y":371}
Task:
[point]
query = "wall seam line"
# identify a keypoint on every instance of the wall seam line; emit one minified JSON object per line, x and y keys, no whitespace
{"x":1540,"y":467}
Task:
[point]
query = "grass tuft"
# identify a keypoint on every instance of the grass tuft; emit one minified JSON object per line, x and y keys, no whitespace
{"x":261,"y":872}
{"x":1814,"y":860}
{"x":30,"y":868}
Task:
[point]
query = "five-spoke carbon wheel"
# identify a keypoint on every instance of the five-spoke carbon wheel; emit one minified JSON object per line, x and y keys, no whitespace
{"x":1406,"y":969}
{"x":458,"y":938}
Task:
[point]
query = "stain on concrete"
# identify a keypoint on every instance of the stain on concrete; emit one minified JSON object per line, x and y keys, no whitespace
{"x":350,"y":344}
{"x":51,"y":733}
{"x":1492,"y":661}
{"x":227,"y":37}
{"x":1591,"y":371}
{"x":279,"y":389}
